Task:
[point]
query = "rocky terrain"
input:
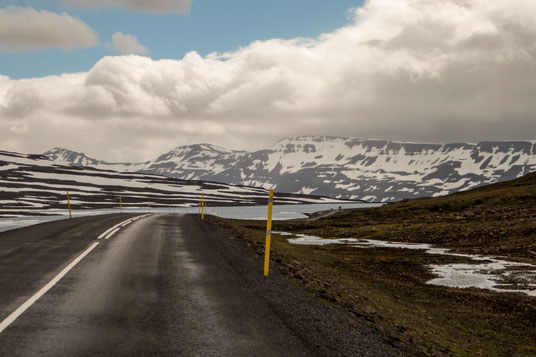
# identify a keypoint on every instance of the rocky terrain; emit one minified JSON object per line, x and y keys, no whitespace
{"x":371,"y":170}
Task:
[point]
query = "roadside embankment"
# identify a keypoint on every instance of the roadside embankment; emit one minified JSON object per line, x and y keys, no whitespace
{"x":388,"y":287}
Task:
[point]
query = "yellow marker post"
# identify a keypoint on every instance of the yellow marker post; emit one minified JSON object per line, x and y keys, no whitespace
{"x":203,"y":206}
{"x":69,"y":205}
{"x":268,"y":234}
{"x":120,"y":204}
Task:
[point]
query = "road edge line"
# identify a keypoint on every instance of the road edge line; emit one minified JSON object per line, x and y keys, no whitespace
{"x":120,"y":224}
{"x":15,"y":314}
{"x":112,"y":233}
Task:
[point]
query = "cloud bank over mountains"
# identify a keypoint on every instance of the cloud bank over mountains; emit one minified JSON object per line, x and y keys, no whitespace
{"x":423,"y":70}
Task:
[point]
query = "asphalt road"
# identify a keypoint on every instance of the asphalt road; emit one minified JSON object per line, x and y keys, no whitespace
{"x":164,"y":284}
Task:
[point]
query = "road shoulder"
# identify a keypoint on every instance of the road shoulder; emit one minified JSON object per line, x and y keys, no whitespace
{"x":328,"y":328}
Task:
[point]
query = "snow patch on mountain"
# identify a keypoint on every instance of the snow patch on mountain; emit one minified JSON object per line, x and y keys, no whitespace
{"x":34,"y":184}
{"x":341,"y":167}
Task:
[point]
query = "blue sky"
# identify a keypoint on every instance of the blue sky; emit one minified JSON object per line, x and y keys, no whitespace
{"x":210,"y":26}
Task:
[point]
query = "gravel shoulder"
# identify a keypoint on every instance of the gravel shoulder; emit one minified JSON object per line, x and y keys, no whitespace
{"x":389,"y":287}
{"x":331,"y":330}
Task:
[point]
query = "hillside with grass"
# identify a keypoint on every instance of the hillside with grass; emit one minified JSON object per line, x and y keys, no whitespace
{"x":390,"y":289}
{"x":498,"y":219}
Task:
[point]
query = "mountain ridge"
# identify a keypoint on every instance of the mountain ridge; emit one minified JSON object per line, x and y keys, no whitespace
{"x":36,"y":185}
{"x":340,"y":167}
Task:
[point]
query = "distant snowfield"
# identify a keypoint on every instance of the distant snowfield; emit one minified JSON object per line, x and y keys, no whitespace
{"x":490,"y":273}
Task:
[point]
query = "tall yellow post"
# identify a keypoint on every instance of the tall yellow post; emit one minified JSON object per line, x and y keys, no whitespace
{"x":268,"y":234}
{"x":69,"y":205}
{"x":120,"y":204}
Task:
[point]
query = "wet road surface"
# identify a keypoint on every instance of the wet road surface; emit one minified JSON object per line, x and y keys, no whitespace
{"x":157,"y":285}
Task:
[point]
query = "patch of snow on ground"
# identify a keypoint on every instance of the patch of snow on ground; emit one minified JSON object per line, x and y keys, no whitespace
{"x":491,"y":273}
{"x":9,"y":167}
{"x":492,"y":276}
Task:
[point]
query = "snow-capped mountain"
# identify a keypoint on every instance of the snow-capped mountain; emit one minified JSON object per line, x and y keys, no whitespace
{"x":34,"y":184}
{"x":372,"y":170}
{"x":68,"y":157}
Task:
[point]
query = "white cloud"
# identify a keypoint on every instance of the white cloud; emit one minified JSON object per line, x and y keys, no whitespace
{"x":430,"y":70}
{"x":155,"y":6}
{"x":24,"y":28}
{"x":126,"y":44}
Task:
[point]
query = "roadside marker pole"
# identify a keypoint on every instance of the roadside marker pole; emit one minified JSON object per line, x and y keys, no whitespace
{"x":69,"y":205}
{"x":268,"y":234}
{"x":203,"y":206}
{"x":120,"y":204}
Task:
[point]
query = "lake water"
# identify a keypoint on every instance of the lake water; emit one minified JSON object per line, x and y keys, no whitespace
{"x":280,"y":212}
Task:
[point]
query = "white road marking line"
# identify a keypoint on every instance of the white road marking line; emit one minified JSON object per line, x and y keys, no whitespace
{"x":112,"y":233}
{"x":126,"y":223}
{"x":15,"y":314}
{"x":106,"y":232}
{"x":130,"y":220}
